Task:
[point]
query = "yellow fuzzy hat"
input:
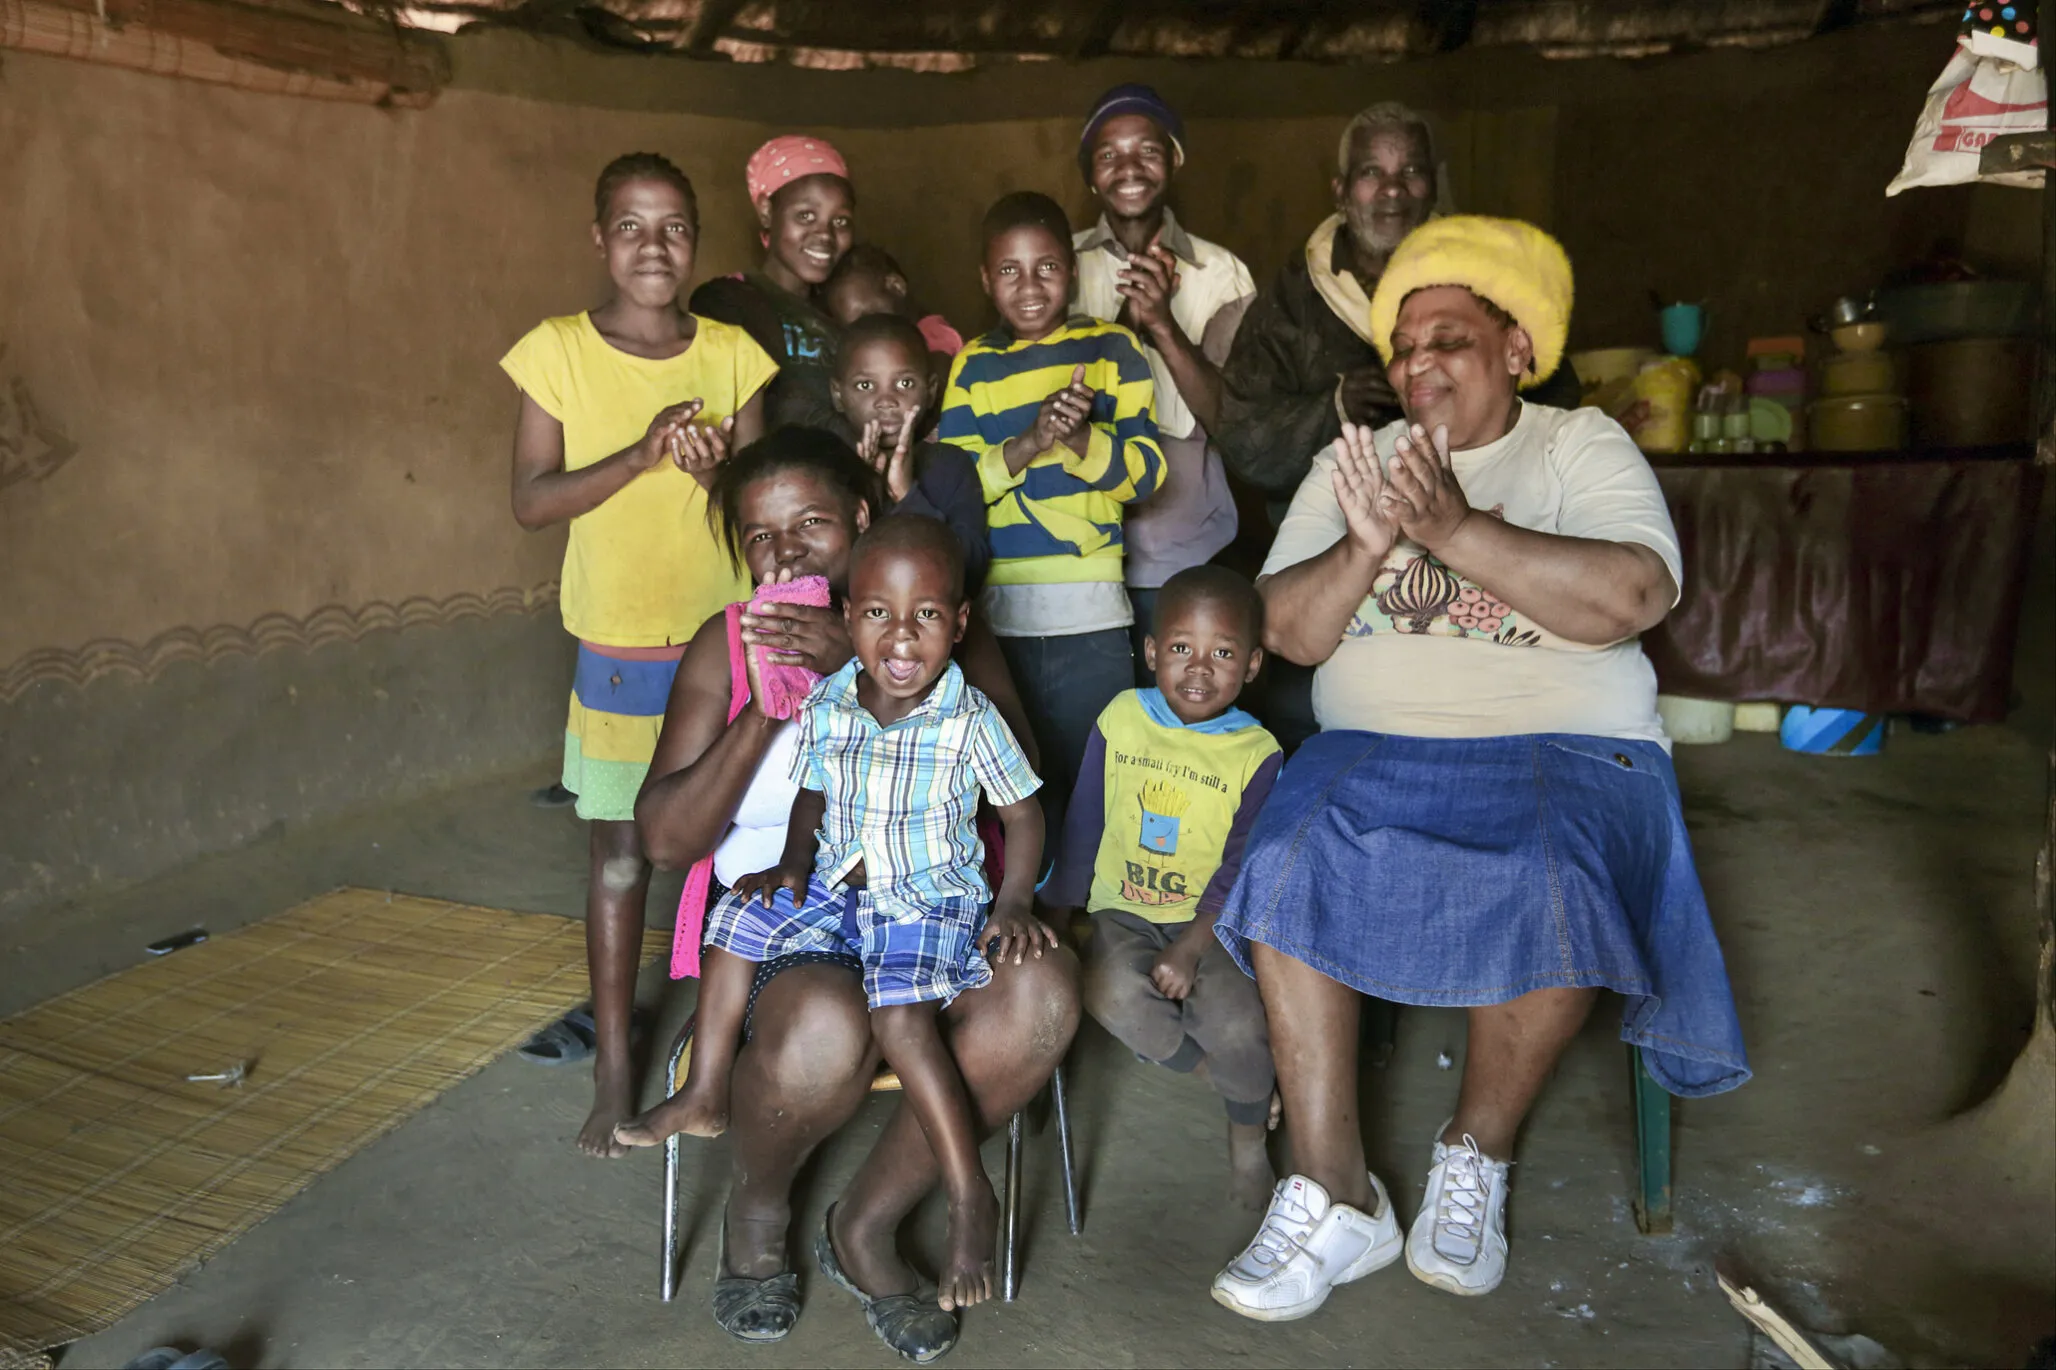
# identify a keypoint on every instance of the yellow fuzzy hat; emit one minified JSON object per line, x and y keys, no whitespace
{"x":1513,"y":264}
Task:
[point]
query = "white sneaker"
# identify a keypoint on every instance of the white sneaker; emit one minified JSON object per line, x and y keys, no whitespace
{"x":1306,"y":1246}
{"x":1458,"y":1242}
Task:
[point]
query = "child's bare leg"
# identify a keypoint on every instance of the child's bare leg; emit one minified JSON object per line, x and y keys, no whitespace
{"x":1005,"y":1038}
{"x":1225,"y":1016}
{"x":911,"y":1040}
{"x":700,"y":1107}
{"x":1250,"y":1176}
{"x":617,"y":886}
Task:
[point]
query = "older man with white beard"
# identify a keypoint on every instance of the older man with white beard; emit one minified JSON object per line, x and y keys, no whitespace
{"x":1303,"y":360}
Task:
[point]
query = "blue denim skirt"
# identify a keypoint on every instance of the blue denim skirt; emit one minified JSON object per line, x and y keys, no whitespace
{"x":1467,"y":871}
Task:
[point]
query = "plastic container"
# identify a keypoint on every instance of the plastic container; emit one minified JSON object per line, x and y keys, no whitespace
{"x":1597,"y":367}
{"x":1829,"y":732}
{"x":1767,"y":353}
{"x":1696,"y":722}
{"x":1770,"y":421}
{"x":1972,"y":391}
{"x":1785,"y":382}
{"x":1758,"y":716}
{"x":1669,"y":384}
{"x":1858,"y":373}
{"x":1683,"y":326}
{"x":1857,"y":423}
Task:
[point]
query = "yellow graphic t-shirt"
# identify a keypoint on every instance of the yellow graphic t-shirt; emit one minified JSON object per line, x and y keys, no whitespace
{"x":1161,"y":810}
{"x":644,"y":569}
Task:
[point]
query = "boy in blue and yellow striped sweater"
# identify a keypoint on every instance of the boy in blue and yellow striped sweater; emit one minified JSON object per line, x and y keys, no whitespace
{"x":1059,"y":413}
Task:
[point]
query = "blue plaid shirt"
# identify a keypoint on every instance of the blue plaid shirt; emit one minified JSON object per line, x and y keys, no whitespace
{"x":903,"y":797}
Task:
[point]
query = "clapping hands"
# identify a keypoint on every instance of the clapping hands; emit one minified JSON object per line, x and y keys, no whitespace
{"x":896,"y":463}
{"x":1065,"y":416}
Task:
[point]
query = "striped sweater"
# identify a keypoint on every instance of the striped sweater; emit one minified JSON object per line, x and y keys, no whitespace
{"x":1058,"y":520}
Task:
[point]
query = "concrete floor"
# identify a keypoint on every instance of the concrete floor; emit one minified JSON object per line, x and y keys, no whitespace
{"x":1877,"y":916}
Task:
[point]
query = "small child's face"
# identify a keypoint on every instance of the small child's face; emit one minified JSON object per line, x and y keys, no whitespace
{"x":1131,"y":165}
{"x":881,"y":381}
{"x":648,"y":240}
{"x":1203,"y":653}
{"x":857,"y":293}
{"x":904,"y":617}
{"x":1027,"y":272}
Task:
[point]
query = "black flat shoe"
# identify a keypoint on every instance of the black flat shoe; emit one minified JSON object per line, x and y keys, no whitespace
{"x":914,"y":1325}
{"x":754,"y":1310}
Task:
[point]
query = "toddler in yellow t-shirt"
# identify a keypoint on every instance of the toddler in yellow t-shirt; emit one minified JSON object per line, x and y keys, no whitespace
{"x":1172,"y":781}
{"x":625,"y":412}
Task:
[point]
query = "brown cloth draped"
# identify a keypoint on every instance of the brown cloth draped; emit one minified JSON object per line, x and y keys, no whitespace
{"x":1889,"y":582}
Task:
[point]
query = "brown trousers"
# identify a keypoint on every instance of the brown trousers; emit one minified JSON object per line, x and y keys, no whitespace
{"x":1221,"y":1022}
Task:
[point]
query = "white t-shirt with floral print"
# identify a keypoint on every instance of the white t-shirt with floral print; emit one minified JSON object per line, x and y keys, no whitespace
{"x":1432,"y":654}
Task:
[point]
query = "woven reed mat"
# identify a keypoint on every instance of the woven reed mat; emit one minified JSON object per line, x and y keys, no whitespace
{"x":352,"y":1010}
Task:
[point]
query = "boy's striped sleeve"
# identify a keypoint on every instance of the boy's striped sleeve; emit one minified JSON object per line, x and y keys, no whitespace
{"x":958,"y":425}
{"x":1137,"y":453}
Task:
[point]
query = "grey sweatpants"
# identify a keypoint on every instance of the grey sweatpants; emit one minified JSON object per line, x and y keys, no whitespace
{"x":1220,"y":1022}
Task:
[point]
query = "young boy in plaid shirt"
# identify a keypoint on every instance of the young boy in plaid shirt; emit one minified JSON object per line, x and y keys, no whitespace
{"x":883,"y":865}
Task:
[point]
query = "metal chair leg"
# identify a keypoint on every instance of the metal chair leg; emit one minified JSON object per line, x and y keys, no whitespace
{"x":678,"y":1050}
{"x":1652,"y":1150}
{"x":1056,"y":1090}
{"x":670,"y":1218}
{"x":1010,"y":1218}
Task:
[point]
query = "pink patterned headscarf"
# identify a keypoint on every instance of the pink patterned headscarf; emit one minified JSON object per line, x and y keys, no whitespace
{"x":784,"y":160}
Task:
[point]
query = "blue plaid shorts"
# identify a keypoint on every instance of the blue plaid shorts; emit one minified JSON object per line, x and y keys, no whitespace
{"x":931,"y":959}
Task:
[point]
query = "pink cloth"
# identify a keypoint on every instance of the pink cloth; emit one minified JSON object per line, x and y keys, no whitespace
{"x":784,"y":688}
{"x":786,"y":159}
{"x":939,"y":336}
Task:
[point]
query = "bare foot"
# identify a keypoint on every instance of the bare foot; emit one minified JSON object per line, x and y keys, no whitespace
{"x":1250,"y":1177}
{"x":698,"y":1110}
{"x":973,"y":1229}
{"x":613,"y":1097}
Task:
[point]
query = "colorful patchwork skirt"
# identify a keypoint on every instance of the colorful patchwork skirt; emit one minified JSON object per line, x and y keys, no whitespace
{"x":1470,"y":871}
{"x":618,"y":696}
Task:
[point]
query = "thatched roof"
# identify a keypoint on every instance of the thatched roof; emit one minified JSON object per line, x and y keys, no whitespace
{"x":950,"y":35}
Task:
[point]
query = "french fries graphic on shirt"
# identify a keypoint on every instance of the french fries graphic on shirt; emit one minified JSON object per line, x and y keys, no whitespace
{"x":1151,"y":879}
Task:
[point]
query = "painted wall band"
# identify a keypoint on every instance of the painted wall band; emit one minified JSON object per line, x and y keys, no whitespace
{"x":79,"y":666}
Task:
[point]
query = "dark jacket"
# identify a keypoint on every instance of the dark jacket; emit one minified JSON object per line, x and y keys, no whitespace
{"x":1278,"y":405}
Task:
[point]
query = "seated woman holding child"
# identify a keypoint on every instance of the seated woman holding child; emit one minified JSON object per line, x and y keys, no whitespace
{"x":1489,"y":818}
{"x":794,"y":505}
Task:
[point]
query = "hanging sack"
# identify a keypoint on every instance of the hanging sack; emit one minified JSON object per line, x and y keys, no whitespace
{"x":1992,"y":86}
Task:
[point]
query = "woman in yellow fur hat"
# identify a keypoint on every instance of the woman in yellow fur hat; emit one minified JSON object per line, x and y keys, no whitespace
{"x":1488,"y":818}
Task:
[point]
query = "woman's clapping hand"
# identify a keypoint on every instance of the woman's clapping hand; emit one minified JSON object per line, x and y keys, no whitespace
{"x":698,"y":448}
{"x":1421,"y":494}
{"x":1361,"y":489}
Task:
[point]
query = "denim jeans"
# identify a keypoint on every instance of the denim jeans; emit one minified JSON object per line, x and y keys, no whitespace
{"x":1065,"y":682}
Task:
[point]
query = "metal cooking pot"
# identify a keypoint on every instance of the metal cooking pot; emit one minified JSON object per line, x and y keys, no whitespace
{"x":1947,"y":310}
{"x":1843,"y":312}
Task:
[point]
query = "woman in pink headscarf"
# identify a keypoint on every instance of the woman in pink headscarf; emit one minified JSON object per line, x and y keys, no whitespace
{"x":806,"y":209}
